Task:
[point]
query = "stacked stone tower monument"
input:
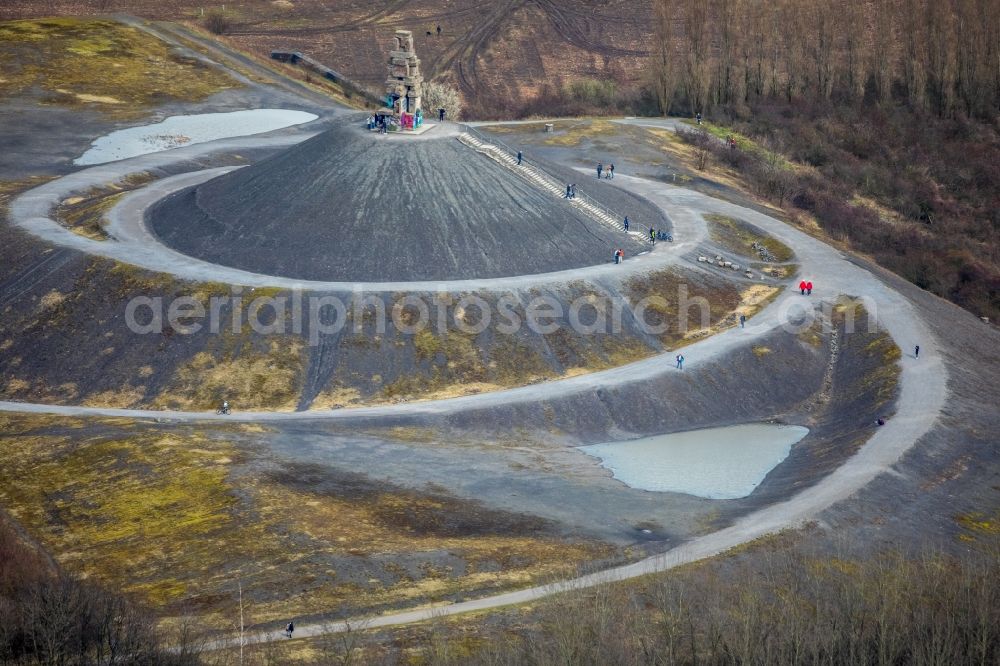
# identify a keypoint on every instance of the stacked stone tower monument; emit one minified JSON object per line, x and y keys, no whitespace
{"x":404,"y":84}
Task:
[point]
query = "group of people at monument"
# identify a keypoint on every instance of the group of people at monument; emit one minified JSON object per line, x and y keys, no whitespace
{"x":380,"y":123}
{"x":383,"y":123}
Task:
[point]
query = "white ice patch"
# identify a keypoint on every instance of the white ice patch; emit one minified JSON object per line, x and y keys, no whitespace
{"x":178,"y":131}
{"x":716,"y":463}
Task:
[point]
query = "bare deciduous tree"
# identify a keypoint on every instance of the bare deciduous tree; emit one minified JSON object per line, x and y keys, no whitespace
{"x":941,"y":55}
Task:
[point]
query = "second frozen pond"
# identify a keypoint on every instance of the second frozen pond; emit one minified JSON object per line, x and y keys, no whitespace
{"x":716,"y":463}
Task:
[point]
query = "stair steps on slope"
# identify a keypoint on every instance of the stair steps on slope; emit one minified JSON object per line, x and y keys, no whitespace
{"x":543,"y":182}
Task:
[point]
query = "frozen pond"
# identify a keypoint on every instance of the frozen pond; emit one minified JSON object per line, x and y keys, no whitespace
{"x":178,"y":131}
{"x":716,"y":463}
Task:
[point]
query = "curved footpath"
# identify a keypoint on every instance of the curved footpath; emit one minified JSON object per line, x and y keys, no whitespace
{"x":922,"y":382}
{"x":135,"y":244}
{"x":923,"y":391}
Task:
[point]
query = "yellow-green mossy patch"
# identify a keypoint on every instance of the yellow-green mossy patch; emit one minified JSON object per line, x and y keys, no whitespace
{"x":102,"y":64}
{"x":251,"y":378}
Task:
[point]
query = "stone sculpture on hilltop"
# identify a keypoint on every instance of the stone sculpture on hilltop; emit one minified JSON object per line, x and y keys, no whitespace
{"x":404,"y":84}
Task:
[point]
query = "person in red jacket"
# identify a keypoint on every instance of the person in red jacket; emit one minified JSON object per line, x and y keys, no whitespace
{"x":802,"y":287}
{"x":809,"y":288}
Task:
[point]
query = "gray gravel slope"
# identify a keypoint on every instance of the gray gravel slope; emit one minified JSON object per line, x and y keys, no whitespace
{"x":348,"y":205}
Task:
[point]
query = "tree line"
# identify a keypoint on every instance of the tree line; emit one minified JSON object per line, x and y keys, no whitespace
{"x":48,"y":616}
{"x":940,"y":56}
{"x":784,"y":606}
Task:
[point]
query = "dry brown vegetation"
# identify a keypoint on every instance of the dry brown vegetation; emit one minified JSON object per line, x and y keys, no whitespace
{"x":85,"y":214}
{"x":179,"y":520}
{"x":740,"y":237}
{"x":938,"y":56}
{"x":889,"y":107}
{"x":776,"y":603}
{"x":689,"y":308}
{"x":51,"y":617}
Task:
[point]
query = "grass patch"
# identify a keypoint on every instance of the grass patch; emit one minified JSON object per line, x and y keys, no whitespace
{"x":85,"y":214}
{"x":571,"y":133}
{"x":813,"y":336}
{"x":94,"y":63}
{"x":250,"y":378}
{"x":337,"y":398}
{"x":177,"y":519}
{"x":458,"y":364}
{"x":778,"y":272}
{"x":115,"y":506}
{"x":686,"y":308}
{"x":978,"y":524}
{"x":518,"y":129}
{"x":746,"y":240}
{"x":127,"y":396}
{"x":744,"y":143}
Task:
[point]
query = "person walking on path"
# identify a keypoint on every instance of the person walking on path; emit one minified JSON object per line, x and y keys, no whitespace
{"x":600,"y":168}
{"x":916,"y":352}
{"x":611,"y":170}
{"x":680,"y":361}
{"x":743,"y":321}
{"x":652,"y":235}
{"x":569,"y":191}
{"x":289,"y":628}
{"x":802,"y":287}
{"x":809,"y":288}
{"x":626,"y":223}
{"x":572,"y":191}
{"x":519,"y":156}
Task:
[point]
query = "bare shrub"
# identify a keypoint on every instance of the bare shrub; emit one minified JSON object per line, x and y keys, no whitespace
{"x":787,"y":606}
{"x":217,"y":23}
{"x":49,"y":617}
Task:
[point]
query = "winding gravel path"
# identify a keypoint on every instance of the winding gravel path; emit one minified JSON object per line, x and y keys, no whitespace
{"x":135,"y":244}
{"x":922,"y":396}
{"x":922,"y":382}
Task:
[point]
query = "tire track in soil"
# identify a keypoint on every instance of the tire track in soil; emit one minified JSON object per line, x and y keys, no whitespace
{"x":463,"y":54}
{"x":465,"y":51}
{"x":570,"y":30}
